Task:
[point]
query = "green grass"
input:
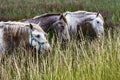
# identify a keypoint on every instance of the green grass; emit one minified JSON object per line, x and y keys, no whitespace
{"x":86,"y":60}
{"x":96,"y":60}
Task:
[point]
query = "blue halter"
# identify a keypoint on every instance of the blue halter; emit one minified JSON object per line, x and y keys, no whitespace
{"x":32,"y":38}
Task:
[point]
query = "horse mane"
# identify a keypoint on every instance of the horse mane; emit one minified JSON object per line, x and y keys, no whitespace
{"x":20,"y":25}
{"x":84,"y":13}
{"x":16,"y":34}
{"x":46,"y":15}
{"x":44,"y":20}
{"x":14,"y":26}
{"x":41,"y":16}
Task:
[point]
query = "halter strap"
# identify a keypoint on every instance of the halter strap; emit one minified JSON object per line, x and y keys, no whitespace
{"x":32,"y":38}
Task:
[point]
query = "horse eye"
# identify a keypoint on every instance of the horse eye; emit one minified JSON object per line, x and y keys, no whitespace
{"x":98,"y":22}
{"x":38,"y":36}
{"x":62,"y":27}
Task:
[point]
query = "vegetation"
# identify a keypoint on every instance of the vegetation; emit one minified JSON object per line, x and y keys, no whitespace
{"x":86,"y":60}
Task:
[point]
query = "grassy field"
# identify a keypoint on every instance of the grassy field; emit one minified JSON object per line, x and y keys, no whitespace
{"x":86,"y":60}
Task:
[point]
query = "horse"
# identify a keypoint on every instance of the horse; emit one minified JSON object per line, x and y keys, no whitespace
{"x":46,"y":21}
{"x":76,"y":20}
{"x":15,"y":34}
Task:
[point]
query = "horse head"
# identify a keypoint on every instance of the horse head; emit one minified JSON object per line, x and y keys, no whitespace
{"x":61,"y":28}
{"x":37,"y":38}
{"x":97,"y":23}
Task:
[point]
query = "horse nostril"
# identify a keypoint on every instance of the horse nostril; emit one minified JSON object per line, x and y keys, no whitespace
{"x":102,"y":34}
{"x":99,"y":35}
{"x":68,"y":40}
{"x":49,"y":50}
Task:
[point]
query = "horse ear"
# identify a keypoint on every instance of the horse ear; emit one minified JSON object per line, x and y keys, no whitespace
{"x":62,"y":17}
{"x":31,"y":26}
{"x":97,"y":14}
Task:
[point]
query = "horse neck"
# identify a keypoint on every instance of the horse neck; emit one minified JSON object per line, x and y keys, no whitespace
{"x":92,"y":16}
{"x":17,"y":34}
{"x":79,"y":17}
{"x":45,"y":22}
{"x":76,"y":19}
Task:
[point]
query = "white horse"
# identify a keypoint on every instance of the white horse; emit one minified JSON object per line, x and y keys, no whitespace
{"x":77,"y":18}
{"x":15,"y":34}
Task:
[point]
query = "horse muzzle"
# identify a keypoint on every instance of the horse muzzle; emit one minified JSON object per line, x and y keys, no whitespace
{"x":99,"y":35}
{"x":45,"y":48}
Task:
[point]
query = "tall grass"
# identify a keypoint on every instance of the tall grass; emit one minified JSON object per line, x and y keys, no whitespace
{"x":86,"y":60}
{"x":96,"y":60}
